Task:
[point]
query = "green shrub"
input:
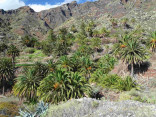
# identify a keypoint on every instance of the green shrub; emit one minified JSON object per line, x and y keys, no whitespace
{"x":95,"y":104}
{"x":106,"y":64}
{"x":28,"y":41}
{"x":114,"y":82}
{"x":30,"y":50}
{"x":8,"y":109}
{"x":133,"y":94}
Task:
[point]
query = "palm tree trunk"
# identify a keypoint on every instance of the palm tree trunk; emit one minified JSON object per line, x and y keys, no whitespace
{"x":3,"y":89}
{"x":4,"y":53}
{"x":132,"y":70}
{"x":13,"y":61}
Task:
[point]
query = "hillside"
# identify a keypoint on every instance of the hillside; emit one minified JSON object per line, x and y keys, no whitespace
{"x":25,"y":21}
{"x":95,"y":59}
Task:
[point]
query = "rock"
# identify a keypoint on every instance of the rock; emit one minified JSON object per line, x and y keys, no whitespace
{"x":87,"y":107}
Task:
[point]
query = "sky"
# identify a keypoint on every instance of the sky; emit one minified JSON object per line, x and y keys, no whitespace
{"x":37,"y":5}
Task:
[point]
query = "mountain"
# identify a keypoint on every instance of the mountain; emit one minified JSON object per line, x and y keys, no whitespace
{"x":25,"y":21}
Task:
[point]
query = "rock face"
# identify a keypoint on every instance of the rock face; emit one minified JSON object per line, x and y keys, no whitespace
{"x":25,"y":21}
{"x":87,"y":107}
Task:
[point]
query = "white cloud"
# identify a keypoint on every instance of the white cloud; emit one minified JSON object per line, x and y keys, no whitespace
{"x":14,"y":4}
{"x":40,"y":7}
{"x":11,"y":4}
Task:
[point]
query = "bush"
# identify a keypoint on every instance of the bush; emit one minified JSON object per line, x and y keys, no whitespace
{"x":106,"y":64}
{"x":29,"y":42}
{"x":30,"y":50}
{"x":139,"y":95}
{"x":114,"y":82}
{"x":8,"y":109}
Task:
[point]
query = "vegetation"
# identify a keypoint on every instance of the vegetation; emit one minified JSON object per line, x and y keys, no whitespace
{"x":151,"y":43}
{"x":41,"y":110}
{"x":3,"y":48}
{"x":8,"y":109}
{"x":28,"y":41}
{"x":27,"y":84}
{"x":130,"y":50}
{"x":13,"y":51}
{"x":6,"y":72}
{"x":62,"y":86}
{"x":71,"y":64}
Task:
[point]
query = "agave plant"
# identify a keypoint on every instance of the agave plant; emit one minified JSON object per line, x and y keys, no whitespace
{"x":40,"y":110}
{"x":62,"y":86}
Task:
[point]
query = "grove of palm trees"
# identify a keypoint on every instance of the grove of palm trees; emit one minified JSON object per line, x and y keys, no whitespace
{"x":73,"y":63}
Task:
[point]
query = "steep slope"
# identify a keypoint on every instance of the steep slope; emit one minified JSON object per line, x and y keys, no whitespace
{"x":25,"y":21}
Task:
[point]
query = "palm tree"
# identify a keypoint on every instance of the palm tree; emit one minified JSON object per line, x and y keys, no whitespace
{"x":3,"y":48}
{"x":89,"y":29}
{"x":6,"y":71}
{"x":29,"y":42}
{"x":13,"y":51}
{"x":82,"y":29}
{"x":133,"y":53}
{"x":152,"y":41}
{"x":125,"y":21}
{"x":64,"y":62}
{"x":106,"y":63}
{"x":51,"y":36}
{"x":114,"y":22}
{"x":75,"y":61}
{"x":62,"y":43}
{"x":121,"y":44}
{"x":104,"y":32}
{"x":62,"y":86}
{"x":52,"y":65}
{"x":73,"y":29}
{"x":87,"y":66}
{"x":96,"y":43}
{"x":41,"y":70}
{"x":96,"y":33}
{"x":26,"y":85}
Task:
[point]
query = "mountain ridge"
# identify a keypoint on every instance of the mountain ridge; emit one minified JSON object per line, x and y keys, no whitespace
{"x":25,"y":21}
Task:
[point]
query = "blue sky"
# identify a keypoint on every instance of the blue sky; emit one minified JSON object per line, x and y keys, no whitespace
{"x":53,"y":2}
{"x":37,"y":5}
